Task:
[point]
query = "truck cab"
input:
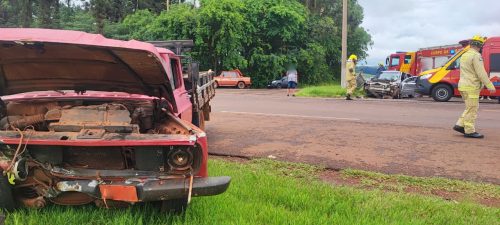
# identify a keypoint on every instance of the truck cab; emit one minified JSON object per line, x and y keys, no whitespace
{"x":442,"y":83}
{"x":401,"y":61}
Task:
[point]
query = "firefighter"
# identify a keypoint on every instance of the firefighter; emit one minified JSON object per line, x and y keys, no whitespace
{"x":472,"y":78}
{"x":380,"y":69}
{"x":351,"y":75}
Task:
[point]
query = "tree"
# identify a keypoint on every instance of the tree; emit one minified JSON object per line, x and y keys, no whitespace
{"x":221,"y":33}
{"x":260,"y":37}
{"x":26,"y":7}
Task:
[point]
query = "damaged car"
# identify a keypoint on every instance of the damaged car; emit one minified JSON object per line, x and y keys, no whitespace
{"x":85,"y":119}
{"x":392,"y":84}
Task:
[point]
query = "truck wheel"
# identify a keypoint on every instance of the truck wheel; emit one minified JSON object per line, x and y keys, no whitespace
{"x":6,"y":198}
{"x":174,"y":206}
{"x":241,"y":85}
{"x":442,"y":93}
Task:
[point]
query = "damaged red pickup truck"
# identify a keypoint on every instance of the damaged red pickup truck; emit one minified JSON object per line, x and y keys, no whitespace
{"x":86,"y":119}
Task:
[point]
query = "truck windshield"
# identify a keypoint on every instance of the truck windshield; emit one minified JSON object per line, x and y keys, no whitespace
{"x":395,"y":61}
{"x":389,"y":75}
{"x":455,"y":56}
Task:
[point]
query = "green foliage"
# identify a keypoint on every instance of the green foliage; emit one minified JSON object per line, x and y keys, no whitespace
{"x":260,"y":37}
{"x":333,"y":90}
{"x":220,"y":34}
{"x":77,"y":19}
{"x":177,"y":24}
{"x":137,"y":25}
{"x":313,"y":66}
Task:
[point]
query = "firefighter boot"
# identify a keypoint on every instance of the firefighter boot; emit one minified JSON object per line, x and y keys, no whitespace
{"x":474,"y":135}
{"x":459,"y":129}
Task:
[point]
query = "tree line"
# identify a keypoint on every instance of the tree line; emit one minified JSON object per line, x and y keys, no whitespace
{"x":260,"y":37}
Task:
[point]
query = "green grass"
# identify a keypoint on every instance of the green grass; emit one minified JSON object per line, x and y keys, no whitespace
{"x":326,"y":91}
{"x":270,"y":192}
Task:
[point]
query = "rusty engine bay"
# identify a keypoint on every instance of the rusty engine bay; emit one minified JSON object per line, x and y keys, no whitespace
{"x":44,"y":172}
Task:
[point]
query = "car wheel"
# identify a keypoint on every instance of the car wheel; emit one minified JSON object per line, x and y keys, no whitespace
{"x":241,"y":85}
{"x":216,"y":85}
{"x":174,"y":206}
{"x":278,"y":85}
{"x":6,"y":198}
{"x":442,"y":93}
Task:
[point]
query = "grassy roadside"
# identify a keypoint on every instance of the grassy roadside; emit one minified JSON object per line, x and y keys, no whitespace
{"x":270,"y":192}
{"x":325,"y":91}
{"x":425,"y":185}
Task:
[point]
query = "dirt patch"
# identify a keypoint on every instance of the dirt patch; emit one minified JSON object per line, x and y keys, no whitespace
{"x":230,"y":158}
{"x":337,"y":178}
{"x":411,"y":150}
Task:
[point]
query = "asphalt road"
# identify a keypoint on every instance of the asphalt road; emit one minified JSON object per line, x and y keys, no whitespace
{"x":411,"y":137}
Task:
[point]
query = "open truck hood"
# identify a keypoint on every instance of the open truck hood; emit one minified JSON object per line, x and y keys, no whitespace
{"x":43,"y":59}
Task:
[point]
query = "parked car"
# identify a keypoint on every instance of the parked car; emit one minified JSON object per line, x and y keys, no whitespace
{"x":395,"y":84}
{"x":279,"y":83}
{"x":232,"y":78}
{"x":86,"y":119}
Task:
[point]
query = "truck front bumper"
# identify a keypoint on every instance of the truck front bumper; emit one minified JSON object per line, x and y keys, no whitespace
{"x":139,"y":190}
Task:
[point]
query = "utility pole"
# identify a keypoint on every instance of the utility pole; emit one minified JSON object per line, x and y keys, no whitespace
{"x":344,"y":44}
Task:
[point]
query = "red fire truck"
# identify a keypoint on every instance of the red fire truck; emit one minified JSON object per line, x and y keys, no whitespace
{"x":442,"y":83}
{"x":424,"y":59}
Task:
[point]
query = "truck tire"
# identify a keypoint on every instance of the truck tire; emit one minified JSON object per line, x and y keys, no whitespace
{"x":442,"y":93}
{"x":174,"y":206}
{"x":241,"y":85}
{"x":6,"y":198}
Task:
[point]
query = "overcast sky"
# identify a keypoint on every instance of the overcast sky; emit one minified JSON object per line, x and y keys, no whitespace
{"x":407,"y":25}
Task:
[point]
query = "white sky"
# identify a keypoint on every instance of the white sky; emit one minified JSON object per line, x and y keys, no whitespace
{"x":407,"y":25}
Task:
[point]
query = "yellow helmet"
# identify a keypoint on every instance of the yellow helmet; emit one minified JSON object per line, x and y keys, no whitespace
{"x":353,"y":57}
{"x":478,"y":40}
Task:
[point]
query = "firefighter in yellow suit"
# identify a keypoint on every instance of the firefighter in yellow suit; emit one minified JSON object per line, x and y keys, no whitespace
{"x":473,"y":77}
{"x":351,"y":75}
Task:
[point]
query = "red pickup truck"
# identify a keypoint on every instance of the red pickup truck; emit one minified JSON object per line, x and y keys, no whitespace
{"x":86,"y":119}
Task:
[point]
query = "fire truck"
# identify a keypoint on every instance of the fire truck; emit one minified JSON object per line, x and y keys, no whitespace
{"x":422,"y":60}
{"x":442,"y":83}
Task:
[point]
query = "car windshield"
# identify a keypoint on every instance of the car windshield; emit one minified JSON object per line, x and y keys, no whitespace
{"x":389,"y":75}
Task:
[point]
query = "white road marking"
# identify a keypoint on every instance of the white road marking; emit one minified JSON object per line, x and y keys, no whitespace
{"x":290,"y":115}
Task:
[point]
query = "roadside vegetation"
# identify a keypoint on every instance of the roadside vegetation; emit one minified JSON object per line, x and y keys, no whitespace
{"x":271,"y":192}
{"x":326,"y":91}
{"x":259,"y":37}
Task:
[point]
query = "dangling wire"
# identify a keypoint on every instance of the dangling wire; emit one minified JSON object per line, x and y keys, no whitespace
{"x":20,"y":145}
